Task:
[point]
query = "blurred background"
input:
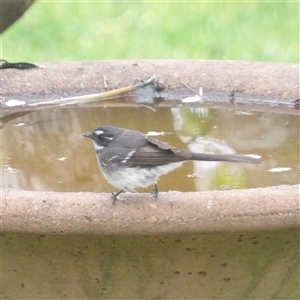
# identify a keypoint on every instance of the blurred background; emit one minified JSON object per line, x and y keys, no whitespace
{"x":52,"y":31}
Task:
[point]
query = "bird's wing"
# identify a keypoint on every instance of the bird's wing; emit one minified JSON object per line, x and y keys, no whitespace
{"x":154,"y":153}
{"x":148,"y":152}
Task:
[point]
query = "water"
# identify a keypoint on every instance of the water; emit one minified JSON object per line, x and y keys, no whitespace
{"x":45,"y":149}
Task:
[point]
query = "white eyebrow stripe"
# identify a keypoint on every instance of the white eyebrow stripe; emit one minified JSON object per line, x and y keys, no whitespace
{"x":98,"y":132}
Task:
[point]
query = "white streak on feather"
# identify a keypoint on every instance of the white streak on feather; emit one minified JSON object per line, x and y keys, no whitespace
{"x":128,"y":156}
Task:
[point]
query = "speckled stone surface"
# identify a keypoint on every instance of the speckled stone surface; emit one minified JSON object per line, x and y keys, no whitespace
{"x":68,"y":78}
{"x":174,"y":212}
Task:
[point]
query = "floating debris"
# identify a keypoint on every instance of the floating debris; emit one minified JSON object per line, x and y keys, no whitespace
{"x":85,"y":99}
{"x":12,"y":103}
{"x":192,"y":99}
{"x":62,"y":158}
{"x":279,"y":170}
{"x":195,"y":98}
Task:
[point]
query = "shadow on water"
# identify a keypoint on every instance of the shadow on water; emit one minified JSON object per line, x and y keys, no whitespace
{"x":45,"y":149}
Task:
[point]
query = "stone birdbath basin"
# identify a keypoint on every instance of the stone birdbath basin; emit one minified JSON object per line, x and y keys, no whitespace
{"x":221,"y":244}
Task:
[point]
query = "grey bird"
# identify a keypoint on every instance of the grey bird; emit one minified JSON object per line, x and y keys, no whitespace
{"x":130,"y":159}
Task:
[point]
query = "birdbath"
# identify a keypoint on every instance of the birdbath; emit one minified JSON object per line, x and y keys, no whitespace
{"x":212,"y":244}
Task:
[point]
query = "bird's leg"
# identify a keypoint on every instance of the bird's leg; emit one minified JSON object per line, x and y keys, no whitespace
{"x":154,"y":193}
{"x":114,"y":196}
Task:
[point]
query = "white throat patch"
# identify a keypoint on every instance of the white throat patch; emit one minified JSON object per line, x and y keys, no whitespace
{"x":97,"y":146}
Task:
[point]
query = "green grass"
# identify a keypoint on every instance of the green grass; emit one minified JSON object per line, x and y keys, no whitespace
{"x":62,"y":31}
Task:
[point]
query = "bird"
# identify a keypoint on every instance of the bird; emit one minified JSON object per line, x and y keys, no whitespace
{"x":130,"y":159}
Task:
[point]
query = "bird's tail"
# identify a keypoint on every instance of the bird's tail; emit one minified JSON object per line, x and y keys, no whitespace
{"x":251,"y":159}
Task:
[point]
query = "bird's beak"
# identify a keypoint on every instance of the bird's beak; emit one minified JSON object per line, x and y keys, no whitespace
{"x":88,"y":135}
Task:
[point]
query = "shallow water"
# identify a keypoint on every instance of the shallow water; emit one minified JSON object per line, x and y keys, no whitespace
{"x":45,"y":149}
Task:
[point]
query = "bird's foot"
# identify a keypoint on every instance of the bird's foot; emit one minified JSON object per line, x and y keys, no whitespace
{"x":115,"y":197}
{"x":154,"y":193}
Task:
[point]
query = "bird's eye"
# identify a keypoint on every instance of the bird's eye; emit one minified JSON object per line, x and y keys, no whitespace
{"x":104,"y":137}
